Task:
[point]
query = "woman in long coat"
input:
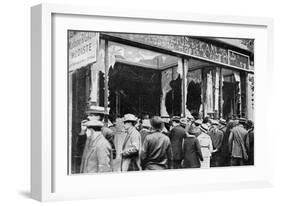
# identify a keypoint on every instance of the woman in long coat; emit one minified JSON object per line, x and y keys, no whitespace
{"x":206,"y":146}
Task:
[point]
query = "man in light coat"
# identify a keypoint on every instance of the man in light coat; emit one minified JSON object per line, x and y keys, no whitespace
{"x":237,"y":147}
{"x":97,"y":155}
{"x":132,"y":145}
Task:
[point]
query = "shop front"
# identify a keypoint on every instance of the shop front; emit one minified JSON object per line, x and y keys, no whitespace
{"x":160,"y":75}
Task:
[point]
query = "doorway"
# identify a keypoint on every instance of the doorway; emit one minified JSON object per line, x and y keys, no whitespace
{"x":230,"y":99}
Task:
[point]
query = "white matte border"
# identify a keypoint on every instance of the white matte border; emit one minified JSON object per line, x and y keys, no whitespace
{"x":115,"y":184}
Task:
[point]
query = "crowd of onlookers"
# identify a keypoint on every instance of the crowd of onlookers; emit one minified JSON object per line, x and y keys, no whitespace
{"x":159,"y":143}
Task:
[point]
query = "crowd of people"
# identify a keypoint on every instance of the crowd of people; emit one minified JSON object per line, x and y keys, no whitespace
{"x":159,"y":143}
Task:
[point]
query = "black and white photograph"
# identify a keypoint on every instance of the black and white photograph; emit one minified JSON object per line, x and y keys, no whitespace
{"x":140,"y":102}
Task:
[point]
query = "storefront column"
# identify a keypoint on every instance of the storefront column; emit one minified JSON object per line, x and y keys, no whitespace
{"x":216,"y":91}
{"x":250,"y":95}
{"x":106,"y":65}
{"x":220,"y":92}
{"x":203,"y":91}
{"x":246,"y":95}
{"x":184,"y":86}
{"x":70,"y":120}
{"x":94,"y":85}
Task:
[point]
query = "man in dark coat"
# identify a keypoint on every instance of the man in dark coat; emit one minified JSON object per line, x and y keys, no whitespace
{"x":225,"y":128}
{"x":177,"y":135}
{"x":192,"y":150}
{"x":250,"y":142}
{"x":157,"y":151}
{"x":217,"y":136}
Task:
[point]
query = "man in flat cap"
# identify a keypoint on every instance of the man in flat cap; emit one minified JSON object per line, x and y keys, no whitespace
{"x":157,"y":151}
{"x":132,"y":145}
{"x":97,"y":155}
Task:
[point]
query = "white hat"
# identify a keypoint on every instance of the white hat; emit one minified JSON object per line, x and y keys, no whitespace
{"x":146,"y":123}
{"x":129,"y":118}
{"x":94,"y":123}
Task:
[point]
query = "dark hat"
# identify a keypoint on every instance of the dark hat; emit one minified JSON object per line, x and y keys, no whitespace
{"x":193,"y":130}
{"x":156,"y":122}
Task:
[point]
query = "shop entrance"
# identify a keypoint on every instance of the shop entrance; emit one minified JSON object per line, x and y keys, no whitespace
{"x":230,"y":99}
{"x":134,"y":89}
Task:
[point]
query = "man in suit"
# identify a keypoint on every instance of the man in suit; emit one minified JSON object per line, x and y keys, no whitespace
{"x":177,"y":135}
{"x":131,"y":146}
{"x":97,"y":155}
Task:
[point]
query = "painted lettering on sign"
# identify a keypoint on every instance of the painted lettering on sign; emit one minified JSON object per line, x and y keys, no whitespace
{"x":83,"y":48}
{"x":190,"y":46}
{"x":238,"y":60}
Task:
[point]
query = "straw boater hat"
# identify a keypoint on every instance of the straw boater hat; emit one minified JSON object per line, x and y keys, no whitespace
{"x":189,"y":117}
{"x":183,"y":122}
{"x":222,"y":121}
{"x":176,"y":119}
{"x":242,"y":120}
{"x":214,"y":122}
{"x":130,"y":118}
{"x":204,"y":128}
{"x":165,"y":118}
{"x":94,"y":123}
{"x":198,"y":122}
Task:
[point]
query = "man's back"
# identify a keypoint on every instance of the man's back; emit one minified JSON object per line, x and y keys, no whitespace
{"x":176,"y":136}
{"x":157,"y":151}
{"x":237,"y":141}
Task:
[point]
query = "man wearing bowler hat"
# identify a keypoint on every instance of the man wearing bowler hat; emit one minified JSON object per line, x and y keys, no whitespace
{"x":132,"y":145}
{"x":97,"y":155}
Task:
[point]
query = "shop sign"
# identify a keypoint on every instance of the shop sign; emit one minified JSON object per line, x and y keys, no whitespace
{"x":83,"y":47}
{"x":238,"y":59}
{"x":191,"y":46}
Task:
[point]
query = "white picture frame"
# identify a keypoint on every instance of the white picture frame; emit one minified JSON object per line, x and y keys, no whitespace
{"x":49,"y":179}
